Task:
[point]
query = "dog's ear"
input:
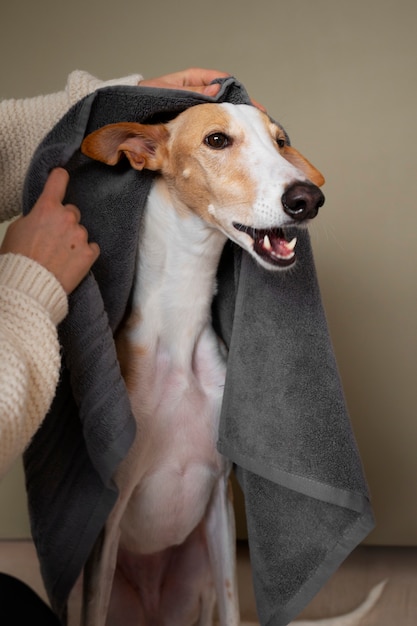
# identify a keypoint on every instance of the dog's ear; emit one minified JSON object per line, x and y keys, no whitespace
{"x":142,"y":144}
{"x":295,"y":158}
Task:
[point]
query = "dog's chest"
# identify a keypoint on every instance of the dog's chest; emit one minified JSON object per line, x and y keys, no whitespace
{"x":174,"y":372}
{"x":171,"y":469}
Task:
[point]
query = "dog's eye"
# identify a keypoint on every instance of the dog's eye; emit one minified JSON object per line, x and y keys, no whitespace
{"x":281,"y":142}
{"x":217,"y":141}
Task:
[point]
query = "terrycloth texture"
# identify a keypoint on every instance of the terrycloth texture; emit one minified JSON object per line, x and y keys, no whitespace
{"x":32,"y":301}
{"x":284,"y":421}
{"x":26,"y":121}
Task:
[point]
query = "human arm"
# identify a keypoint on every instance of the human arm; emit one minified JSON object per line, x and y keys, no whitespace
{"x":33,"y":275}
{"x":193,"y":79}
{"x":25,"y":122}
{"x":52,"y":236}
{"x":44,"y":255}
{"x":31,"y":304}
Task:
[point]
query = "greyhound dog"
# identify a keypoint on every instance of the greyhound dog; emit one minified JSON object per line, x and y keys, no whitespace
{"x":167,"y":556}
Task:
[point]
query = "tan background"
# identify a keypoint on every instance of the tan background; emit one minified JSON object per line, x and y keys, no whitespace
{"x":341,"y":77}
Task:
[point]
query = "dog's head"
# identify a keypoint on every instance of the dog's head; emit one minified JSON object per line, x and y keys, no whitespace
{"x":229,"y":164}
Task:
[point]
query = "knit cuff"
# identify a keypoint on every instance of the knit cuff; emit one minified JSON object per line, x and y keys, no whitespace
{"x":23,"y":274}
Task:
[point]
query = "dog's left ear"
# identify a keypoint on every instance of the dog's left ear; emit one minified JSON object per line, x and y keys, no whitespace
{"x":140,"y":143}
{"x":295,"y":158}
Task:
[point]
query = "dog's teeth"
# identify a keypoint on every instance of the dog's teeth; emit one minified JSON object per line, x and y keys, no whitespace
{"x":267,"y":243}
{"x":291,"y":244}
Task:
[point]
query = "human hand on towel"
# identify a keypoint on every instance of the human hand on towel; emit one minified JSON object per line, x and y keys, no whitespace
{"x":192,"y":79}
{"x":52,"y":235}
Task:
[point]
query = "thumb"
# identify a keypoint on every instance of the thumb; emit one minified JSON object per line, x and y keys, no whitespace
{"x":56,"y":184}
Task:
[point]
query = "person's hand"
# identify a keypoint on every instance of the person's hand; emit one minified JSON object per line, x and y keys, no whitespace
{"x":193,"y":79}
{"x":52,"y":235}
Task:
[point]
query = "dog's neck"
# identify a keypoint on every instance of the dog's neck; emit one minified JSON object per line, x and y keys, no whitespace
{"x":177,"y":263}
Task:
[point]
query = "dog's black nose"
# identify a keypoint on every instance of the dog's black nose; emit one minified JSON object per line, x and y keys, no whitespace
{"x":301,"y":201}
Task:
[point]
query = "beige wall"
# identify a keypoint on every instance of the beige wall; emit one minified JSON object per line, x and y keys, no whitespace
{"x":341,"y":77}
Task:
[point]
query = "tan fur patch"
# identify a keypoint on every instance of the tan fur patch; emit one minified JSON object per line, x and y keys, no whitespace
{"x":130,"y":355}
{"x":300,"y":162}
{"x":211,"y":175}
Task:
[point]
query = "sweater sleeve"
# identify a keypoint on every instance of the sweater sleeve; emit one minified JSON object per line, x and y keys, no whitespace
{"x":32,"y":303}
{"x":25,"y":122}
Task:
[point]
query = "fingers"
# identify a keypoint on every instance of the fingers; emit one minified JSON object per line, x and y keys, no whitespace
{"x":77,"y":235}
{"x":73,"y":211}
{"x":56,"y":185}
{"x":258,"y":105}
{"x":54,"y":192}
{"x":194,"y":79}
{"x":51,"y":235}
{"x":196,"y":76}
{"x":95,"y":251}
{"x":209,"y":90}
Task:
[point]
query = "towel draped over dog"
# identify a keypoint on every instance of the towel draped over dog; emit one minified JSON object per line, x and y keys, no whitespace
{"x":284,"y":421}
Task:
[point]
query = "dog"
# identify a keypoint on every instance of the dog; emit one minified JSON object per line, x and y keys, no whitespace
{"x":167,"y":556}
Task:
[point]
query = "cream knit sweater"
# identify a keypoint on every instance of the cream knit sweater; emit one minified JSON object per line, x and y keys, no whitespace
{"x":32,"y":301}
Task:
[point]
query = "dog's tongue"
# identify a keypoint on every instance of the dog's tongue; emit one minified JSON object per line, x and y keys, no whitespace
{"x":273,"y":245}
{"x":270,"y":244}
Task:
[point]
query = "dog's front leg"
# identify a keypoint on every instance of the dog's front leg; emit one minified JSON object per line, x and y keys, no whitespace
{"x":221,"y":541}
{"x":98,"y":578}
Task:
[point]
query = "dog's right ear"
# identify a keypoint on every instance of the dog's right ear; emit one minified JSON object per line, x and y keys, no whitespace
{"x":142,"y":144}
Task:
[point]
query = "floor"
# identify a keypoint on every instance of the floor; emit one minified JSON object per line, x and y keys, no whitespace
{"x":365,"y":567}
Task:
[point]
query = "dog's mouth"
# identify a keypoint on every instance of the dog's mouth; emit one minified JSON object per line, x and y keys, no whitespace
{"x":271,"y":244}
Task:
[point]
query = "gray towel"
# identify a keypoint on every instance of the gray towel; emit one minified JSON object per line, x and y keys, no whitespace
{"x":284,"y":421}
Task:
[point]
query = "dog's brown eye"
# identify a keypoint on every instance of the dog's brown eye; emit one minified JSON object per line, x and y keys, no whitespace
{"x":280,"y":142}
{"x":217,"y":141}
